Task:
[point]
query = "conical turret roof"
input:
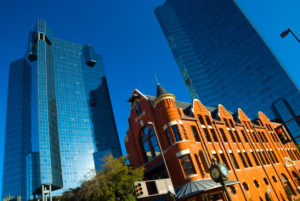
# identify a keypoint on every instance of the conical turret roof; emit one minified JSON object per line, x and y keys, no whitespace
{"x":161,"y":94}
{"x":160,"y":91}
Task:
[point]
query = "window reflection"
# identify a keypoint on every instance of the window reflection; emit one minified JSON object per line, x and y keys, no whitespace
{"x":150,"y":143}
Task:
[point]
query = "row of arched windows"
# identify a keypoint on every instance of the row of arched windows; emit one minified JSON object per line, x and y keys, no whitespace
{"x":151,"y":150}
{"x":210,"y":133}
{"x":151,"y":147}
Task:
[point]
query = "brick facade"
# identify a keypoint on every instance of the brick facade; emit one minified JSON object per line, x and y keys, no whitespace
{"x":191,"y":134}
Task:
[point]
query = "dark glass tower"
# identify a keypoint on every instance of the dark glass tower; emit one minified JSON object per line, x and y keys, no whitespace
{"x":224,"y":60}
{"x":71,"y":111}
{"x":33,"y":174}
{"x":18,"y":130}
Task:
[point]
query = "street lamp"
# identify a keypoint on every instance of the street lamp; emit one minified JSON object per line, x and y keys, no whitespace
{"x":172,"y":195}
{"x":286,"y":32}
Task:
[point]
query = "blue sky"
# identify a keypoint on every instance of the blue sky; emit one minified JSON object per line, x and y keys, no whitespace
{"x":128,"y":36}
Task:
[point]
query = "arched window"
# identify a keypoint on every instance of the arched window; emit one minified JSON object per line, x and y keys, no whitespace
{"x":274,"y":179}
{"x":296,"y":178}
{"x":233,"y":190}
{"x":266,"y":181}
{"x":245,"y":185}
{"x":256,"y":183}
{"x":287,"y":184}
{"x":149,"y":143}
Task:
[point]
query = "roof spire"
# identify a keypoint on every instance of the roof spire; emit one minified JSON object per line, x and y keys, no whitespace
{"x":159,"y":89}
{"x":161,"y":94}
{"x":156,"y":79}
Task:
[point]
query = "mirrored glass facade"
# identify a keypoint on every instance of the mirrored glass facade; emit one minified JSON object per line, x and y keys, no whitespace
{"x":33,"y":174}
{"x":72,"y":110}
{"x":224,"y":60}
{"x":18,"y":130}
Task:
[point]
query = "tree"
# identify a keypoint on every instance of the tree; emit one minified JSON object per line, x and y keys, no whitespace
{"x":113,"y":182}
{"x":298,"y":146}
{"x":268,"y":198}
{"x":288,"y":191}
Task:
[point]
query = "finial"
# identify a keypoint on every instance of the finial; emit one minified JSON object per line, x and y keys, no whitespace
{"x":214,"y":161}
{"x":156,"y":79}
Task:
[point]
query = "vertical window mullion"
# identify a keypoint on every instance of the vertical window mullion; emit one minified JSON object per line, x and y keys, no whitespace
{"x":168,"y":137}
{"x":187,"y":164}
{"x":245,"y":137}
{"x":255,"y":159}
{"x":237,"y":136}
{"x":176,"y":132}
{"x":224,"y":160}
{"x":207,"y":135}
{"x":248,"y":159}
{"x":242,"y":159}
{"x":261,"y":158}
{"x":195,"y":133}
{"x":223,"y":135}
{"x":184,"y":131}
{"x":230,"y":131}
{"x":214,"y":135}
{"x":236,"y":165}
{"x":137,"y":108}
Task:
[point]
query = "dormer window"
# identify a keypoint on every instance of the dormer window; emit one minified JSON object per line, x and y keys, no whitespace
{"x":137,"y":108}
{"x":208,"y":120}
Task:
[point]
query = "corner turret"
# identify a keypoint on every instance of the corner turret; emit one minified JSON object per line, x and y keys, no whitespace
{"x":162,"y":94}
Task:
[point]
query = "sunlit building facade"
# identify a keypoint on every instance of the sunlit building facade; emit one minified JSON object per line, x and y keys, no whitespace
{"x":190,"y":135}
{"x":223,"y":59}
{"x":73,"y":124}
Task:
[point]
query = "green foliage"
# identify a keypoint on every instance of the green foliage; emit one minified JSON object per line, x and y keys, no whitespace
{"x":288,"y":191}
{"x":298,"y":146}
{"x":113,"y":182}
{"x":268,"y":198}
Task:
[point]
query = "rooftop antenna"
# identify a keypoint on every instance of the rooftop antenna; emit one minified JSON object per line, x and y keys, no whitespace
{"x":156,"y":79}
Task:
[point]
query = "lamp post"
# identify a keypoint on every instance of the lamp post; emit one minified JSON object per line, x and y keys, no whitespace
{"x":297,"y":118}
{"x":165,"y":163}
{"x":219,"y":173}
{"x":286,"y":32}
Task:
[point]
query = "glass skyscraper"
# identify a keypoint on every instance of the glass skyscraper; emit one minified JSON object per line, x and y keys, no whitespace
{"x":18,"y":130}
{"x":223,"y":60}
{"x":71,"y":113}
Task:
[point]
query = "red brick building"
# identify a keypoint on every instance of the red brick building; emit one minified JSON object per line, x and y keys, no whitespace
{"x":191,"y":134}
